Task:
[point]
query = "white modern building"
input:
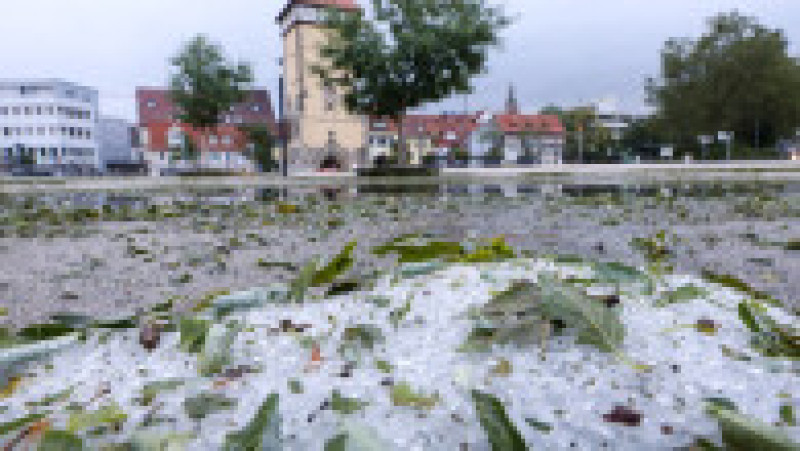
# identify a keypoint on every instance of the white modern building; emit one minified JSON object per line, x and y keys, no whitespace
{"x":50,"y":124}
{"x":115,"y":141}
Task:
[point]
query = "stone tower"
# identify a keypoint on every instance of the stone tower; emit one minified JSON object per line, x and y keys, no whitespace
{"x":320,"y":131}
{"x":512,"y":107}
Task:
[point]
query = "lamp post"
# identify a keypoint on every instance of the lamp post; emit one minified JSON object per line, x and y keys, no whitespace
{"x":728,"y":138}
{"x":705,"y":141}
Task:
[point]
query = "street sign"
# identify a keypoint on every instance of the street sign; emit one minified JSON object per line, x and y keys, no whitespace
{"x":723,"y":136}
{"x":667,"y":151}
{"x":705,"y":139}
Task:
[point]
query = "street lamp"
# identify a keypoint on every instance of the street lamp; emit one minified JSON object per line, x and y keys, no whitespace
{"x":728,"y":138}
{"x":705,"y":141}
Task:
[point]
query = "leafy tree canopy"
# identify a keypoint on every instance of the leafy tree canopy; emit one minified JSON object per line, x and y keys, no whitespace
{"x":737,"y":77}
{"x":204,"y":84}
{"x":262,"y":143}
{"x":408,"y":52}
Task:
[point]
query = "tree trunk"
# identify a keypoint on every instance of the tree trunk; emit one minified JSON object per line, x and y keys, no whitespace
{"x":402,"y":155}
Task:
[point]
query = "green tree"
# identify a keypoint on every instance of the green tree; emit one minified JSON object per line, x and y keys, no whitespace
{"x":737,"y":77}
{"x":204,"y":85}
{"x":261,"y":142}
{"x":407,"y":53}
{"x":585,"y":136}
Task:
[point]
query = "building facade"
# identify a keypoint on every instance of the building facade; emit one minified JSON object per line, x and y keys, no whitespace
{"x":517,"y":139}
{"x":320,"y":132}
{"x":115,"y":143}
{"x":224,"y":147}
{"x":50,"y":124}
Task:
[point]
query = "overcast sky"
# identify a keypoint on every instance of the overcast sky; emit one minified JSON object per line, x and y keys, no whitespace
{"x":557,"y":51}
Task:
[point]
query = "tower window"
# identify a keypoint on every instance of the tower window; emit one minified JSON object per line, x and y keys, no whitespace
{"x":329,"y":96}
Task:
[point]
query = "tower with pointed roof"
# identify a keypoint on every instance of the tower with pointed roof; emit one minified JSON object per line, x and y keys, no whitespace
{"x":512,"y":107}
{"x":318,"y":128}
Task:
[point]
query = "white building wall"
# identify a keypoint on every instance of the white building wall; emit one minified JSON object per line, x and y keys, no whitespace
{"x":53,"y":121}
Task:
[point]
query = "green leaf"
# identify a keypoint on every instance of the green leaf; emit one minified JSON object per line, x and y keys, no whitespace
{"x":337,"y":266}
{"x":496,"y":250}
{"x":747,"y":317}
{"x":502,"y":434}
{"x":539,"y":425}
{"x":384,"y":366}
{"x":157,"y":441}
{"x":364,"y":335}
{"x":45,"y":331}
{"x":396,"y":316}
{"x":341,"y":404}
{"x":193,"y":332}
{"x":337,"y":443}
{"x":622,"y":275}
{"x":49,"y":400}
{"x":262,"y":433}
{"x":681,"y":294}
{"x":216,"y":352}
{"x":416,"y":253}
{"x":104,"y":416}
{"x":204,"y":404}
{"x":403,"y":395}
{"x":295,"y":386}
{"x":596,"y":324}
{"x":302,"y":282}
{"x":152,"y":389}
{"x":786,"y":412}
{"x":729,"y":281}
{"x":14,"y":425}
{"x":744,"y":433}
{"x":53,"y":440}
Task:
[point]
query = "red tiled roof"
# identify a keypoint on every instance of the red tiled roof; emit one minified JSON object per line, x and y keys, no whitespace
{"x":350,"y":5}
{"x":520,"y":123}
{"x":154,"y":106}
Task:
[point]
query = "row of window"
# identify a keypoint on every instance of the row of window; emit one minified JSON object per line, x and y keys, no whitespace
{"x":72,"y":132}
{"x":151,"y":103}
{"x":175,"y":138}
{"x":49,"y":151}
{"x":381,"y":140}
{"x":45,"y":110}
{"x":215,"y":156}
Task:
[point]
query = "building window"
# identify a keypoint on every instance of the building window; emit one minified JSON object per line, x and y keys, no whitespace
{"x":329,"y":96}
{"x":226,"y":140}
{"x":38,"y":111}
{"x":256,"y":108}
{"x":15,"y":110}
{"x":28,"y":111}
{"x":4,"y":111}
{"x":41,"y":131}
{"x":43,"y":152}
{"x":152,"y":104}
{"x":88,"y":134}
{"x":49,"y":111}
{"x":213,"y":140}
{"x":6,"y":131}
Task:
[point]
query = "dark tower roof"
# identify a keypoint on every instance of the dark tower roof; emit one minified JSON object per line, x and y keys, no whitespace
{"x":512,"y":107}
{"x":350,"y":5}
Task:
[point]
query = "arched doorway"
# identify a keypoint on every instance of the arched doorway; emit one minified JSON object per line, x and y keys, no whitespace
{"x":330,"y":163}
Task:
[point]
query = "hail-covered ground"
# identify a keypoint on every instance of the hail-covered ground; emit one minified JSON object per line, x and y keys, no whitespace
{"x":390,"y":367}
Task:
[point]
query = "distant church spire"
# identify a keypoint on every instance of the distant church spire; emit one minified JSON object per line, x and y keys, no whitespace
{"x":511,"y":102}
